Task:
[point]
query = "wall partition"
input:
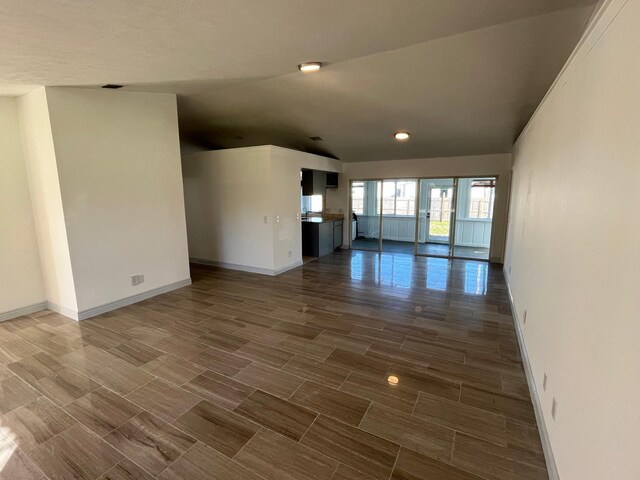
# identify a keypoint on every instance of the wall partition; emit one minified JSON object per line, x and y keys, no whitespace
{"x":442,"y":217}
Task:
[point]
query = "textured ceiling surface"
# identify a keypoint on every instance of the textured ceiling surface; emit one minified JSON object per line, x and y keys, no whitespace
{"x":462,"y":76}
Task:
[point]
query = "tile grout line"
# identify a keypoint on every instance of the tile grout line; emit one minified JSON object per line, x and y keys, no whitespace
{"x":174,"y":462}
{"x":246,"y":443}
{"x":415,"y":404}
{"x":395,"y":462}
{"x":365,"y":414}
{"x":309,"y":428}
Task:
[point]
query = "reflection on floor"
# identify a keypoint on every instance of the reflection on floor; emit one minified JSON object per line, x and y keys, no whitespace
{"x":357,"y":365}
{"x":458,"y":251}
{"x":366,"y":244}
{"x":394,"y":246}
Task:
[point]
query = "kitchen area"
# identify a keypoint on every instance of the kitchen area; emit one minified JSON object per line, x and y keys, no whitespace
{"x":321,"y":231}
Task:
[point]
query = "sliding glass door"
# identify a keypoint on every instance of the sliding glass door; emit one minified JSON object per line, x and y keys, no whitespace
{"x":441,"y":217}
{"x":366,"y":196}
{"x":399,"y":215}
{"x":474,"y":217}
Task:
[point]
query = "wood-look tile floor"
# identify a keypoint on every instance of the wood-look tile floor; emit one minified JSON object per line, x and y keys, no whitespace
{"x":356,"y":366}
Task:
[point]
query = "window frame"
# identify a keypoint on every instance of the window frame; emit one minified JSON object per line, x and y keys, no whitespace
{"x":361,"y":185}
{"x":380,"y":204}
{"x":484,"y":184}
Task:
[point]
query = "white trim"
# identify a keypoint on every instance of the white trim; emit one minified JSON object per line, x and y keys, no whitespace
{"x":552,"y":468}
{"x":245,"y":268}
{"x":596,"y":26}
{"x":107,"y":307}
{"x":232,"y":266}
{"x":295,"y":264}
{"x":18,"y":312}
{"x":67,"y":312}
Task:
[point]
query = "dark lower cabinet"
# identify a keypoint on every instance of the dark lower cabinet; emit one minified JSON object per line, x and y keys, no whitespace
{"x":337,"y":234}
{"x":320,"y":239}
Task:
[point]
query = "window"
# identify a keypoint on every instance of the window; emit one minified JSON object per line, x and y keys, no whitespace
{"x":311,"y":203}
{"x":357,"y":198}
{"x":398,"y":197}
{"x":481,"y":198}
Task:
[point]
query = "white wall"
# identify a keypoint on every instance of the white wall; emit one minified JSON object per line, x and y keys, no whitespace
{"x":573,"y":251}
{"x":118,"y":161}
{"x":228,"y":195}
{"x":480,"y":165}
{"x":46,"y":200}
{"x":20,"y":269}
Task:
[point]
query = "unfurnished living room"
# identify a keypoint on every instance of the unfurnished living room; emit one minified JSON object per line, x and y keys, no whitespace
{"x":319,"y":240}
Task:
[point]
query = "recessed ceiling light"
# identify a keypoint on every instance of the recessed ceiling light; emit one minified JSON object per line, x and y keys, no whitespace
{"x":310,"y":67}
{"x":401,"y":136}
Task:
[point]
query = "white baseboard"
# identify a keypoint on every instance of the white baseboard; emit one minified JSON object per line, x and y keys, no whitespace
{"x":295,"y":264}
{"x":245,"y":268}
{"x":67,"y":312}
{"x":18,"y":312}
{"x":107,"y":307}
{"x":552,"y":468}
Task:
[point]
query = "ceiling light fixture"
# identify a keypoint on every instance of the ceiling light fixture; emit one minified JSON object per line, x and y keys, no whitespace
{"x":310,"y":67}
{"x":402,"y":136}
{"x":112,"y":86}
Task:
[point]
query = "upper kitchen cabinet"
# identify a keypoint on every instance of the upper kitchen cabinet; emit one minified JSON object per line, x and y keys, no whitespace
{"x":332,"y":180}
{"x":314,"y":182}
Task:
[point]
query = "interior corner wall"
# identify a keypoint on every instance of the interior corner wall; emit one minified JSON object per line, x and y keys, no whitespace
{"x":118,"y":162}
{"x":473,"y":165}
{"x":573,"y":253}
{"x":46,"y":200}
{"x":23,"y":288}
{"x":228,"y":206}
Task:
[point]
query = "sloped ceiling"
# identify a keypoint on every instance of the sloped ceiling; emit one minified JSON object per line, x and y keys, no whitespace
{"x":462,"y":76}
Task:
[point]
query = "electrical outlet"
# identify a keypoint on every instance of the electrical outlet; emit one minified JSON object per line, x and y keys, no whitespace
{"x":554,"y":408}
{"x":140,"y":279}
{"x":524,"y":317}
{"x":265,"y":219}
{"x":137,"y":279}
{"x":544,"y":382}
{"x":340,"y":210}
{"x":289,"y":253}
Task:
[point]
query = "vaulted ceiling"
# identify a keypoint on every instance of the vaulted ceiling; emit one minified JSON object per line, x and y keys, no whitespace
{"x":462,"y":76}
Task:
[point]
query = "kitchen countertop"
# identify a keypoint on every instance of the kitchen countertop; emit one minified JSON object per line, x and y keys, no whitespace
{"x":319,"y":219}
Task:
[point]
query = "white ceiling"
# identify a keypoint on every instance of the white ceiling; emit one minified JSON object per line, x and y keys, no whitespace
{"x":462,"y":75}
